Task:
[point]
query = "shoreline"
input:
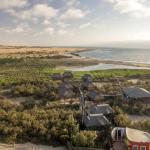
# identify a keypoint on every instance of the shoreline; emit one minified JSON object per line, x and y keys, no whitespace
{"x":111,"y":62}
{"x":71,"y":52}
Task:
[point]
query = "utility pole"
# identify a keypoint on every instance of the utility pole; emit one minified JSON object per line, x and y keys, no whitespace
{"x":82,"y":103}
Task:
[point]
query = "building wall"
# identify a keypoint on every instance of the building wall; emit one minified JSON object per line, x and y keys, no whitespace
{"x":130,"y":144}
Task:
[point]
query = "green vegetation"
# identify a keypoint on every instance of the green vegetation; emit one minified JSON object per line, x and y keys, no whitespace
{"x":39,"y":90}
{"x":131,"y":107}
{"x":50,"y":121}
{"x":121,"y":120}
{"x":37,"y":124}
{"x":40,"y":69}
{"x":85,"y":139}
{"x":101,"y":74}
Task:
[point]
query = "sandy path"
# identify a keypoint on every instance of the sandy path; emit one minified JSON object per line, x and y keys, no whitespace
{"x":138,"y":118}
{"x":29,"y":146}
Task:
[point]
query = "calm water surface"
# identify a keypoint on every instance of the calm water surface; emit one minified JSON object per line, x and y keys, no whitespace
{"x":119,"y":54}
{"x":116,"y":54}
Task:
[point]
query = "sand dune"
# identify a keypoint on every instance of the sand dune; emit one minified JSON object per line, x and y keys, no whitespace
{"x":51,"y":50}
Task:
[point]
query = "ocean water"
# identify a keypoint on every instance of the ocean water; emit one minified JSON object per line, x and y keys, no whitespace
{"x":120,"y":54}
{"x":134,"y":55}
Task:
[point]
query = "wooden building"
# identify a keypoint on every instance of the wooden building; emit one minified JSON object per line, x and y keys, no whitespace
{"x":104,"y":109}
{"x":65,"y":90}
{"x":136,"y":93}
{"x":134,"y":139}
{"x":67,"y":76}
{"x":95,"y":121}
{"x":56,"y":76}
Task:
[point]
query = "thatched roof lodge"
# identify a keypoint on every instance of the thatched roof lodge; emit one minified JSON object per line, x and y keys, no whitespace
{"x":65,"y":90}
{"x":136,"y":93}
{"x":56,"y":76}
{"x":100,"y":109}
{"x":87,"y":78}
{"x":87,"y":86}
{"x":95,"y":121}
{"x":135,"y":139}
{"x":93,"y":95}
{"x":67,"y":75}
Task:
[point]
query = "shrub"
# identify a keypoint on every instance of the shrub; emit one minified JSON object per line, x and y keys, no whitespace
{"x":85,"y":139}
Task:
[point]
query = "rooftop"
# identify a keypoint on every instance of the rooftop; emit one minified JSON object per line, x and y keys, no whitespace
{"x":95,"y":120}
{"x":100,"y":109}
{"x":87,"y":78}
{"x":135,"y":92}
{"x":137,"y":135}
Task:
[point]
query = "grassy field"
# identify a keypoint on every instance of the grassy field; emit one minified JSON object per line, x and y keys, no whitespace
{"x":14,"y":70}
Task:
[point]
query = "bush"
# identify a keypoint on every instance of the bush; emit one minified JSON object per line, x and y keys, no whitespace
{"x":85,"y":139}
{"x":38,"y":124}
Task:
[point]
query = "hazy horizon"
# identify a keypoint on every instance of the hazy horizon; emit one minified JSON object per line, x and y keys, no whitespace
{"x":123,"y":44}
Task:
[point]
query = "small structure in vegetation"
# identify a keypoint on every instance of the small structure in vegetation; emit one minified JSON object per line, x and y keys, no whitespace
{"x":93,"y":95}
{"x":56,"y":76}
{"x":87,"y":82}
{"x":87,"y":78}
{"x":67,"y":76}
{"x":134,"y":93}
{"x":100,"y":109}
{"x":134,"y":139}
{"x":95,"y":121}
{"x":66,"y":90}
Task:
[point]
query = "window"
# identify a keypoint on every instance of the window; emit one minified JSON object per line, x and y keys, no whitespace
{"x":135,"y":147}
{"x":143,"y":148}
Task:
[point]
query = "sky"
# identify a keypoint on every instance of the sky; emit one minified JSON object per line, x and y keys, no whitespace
{"x":73,"y":22}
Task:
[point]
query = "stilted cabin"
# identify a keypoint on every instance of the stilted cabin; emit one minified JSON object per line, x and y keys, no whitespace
{"x":56,"y":76}
{"x":136,"y":93}
{"x":95,"y":121}
{"x":65,"y":90}
{"x":93,"y":95}
{"x":132,"y":138}
{"x":87,"y":82}
{"x":87,"y":78}
{"x":67,"y":76}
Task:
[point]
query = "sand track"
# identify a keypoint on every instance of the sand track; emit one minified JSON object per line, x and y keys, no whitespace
{"x":28,"y":146}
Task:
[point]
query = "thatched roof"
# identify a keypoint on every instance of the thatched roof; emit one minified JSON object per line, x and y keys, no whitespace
{"x":66,"y":85}
{"x":136,"y":93}
{"x":67,"y":75}
{"x":87,"y":86}
{"x":95,"y":121}
{"x":65,"y":90}
{"x":137,"y":135}
{"x":93,"y":95}
{"x":87,"y":78}
{"x":56,"y":76}
{"x":100,"y":109}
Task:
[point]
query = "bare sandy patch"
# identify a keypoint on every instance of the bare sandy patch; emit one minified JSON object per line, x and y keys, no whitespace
{"x":10,"y":51}
{"x":28,"y":146}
